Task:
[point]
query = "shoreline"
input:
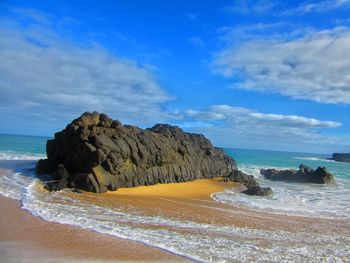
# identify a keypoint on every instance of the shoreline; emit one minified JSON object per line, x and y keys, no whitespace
{"x":39,"y":240}
{"x":24,"y":236}
{"x":32,"y":239}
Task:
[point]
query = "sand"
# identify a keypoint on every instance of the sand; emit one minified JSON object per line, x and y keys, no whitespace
{"x":201,"y":188}
{"x":23,"y":236}
{"x":26,"y":237}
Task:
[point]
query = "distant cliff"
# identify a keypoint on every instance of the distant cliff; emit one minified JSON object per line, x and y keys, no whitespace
{"x":341,"y":157}
{"x":95,"y":153}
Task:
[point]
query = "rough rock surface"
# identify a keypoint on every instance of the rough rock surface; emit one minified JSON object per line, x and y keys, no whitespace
{"x":95,"y":153}
{"x":304,"y":175}
{"x":252,"y":186}
{"x":341,"y":157}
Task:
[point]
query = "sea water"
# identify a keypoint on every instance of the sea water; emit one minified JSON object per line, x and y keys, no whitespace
{"x":205,"y":242}
{"x":326,"y":201}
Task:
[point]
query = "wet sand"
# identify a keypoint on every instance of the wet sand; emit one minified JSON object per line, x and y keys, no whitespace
{"x":191,"y":201}
{"x":25,"y":236}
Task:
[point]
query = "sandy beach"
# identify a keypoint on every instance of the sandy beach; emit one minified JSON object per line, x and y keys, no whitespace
{"x":25,"y":237}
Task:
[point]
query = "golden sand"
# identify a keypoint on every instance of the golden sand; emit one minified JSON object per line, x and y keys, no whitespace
{"x":25,"y":237}
{"x":201,"y":188}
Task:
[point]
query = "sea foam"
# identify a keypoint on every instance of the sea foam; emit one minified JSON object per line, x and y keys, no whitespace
{"x":312,"y":200}
{"x":316,"y":159}
{"x":197,"y":241}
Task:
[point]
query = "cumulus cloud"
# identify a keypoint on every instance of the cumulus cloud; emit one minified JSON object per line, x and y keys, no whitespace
{"x":279,"y":8}
{"x":313,"y":67}
{"x":42,"y":72}
{"x":319,"y":6}
{"x":239,"y":114}
{"x":244,"y":126}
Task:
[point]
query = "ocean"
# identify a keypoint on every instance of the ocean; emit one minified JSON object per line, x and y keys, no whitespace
{"x":204,"y":242}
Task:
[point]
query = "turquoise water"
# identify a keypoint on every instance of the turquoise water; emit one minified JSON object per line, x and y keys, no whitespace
{"x":204,"y":242}
{"x":289,"y":160}
{"x":329,"y":201}
{"x":12,"y":146}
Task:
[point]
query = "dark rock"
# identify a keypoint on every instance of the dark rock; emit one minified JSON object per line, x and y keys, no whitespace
{"x":252,"y":186}
{"x":60,"y":179}
{"x":242,"y":178}
{"x":45,"y":166}
{"x":341,"y":157}
{"x":99,"y":154}
{"x":258,"y":190}
{"x":304,"y":175}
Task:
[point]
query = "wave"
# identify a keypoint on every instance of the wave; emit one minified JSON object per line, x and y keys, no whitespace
{"x":254,"y":170}
{"x":318,"y":159}
{"x":12,"y":155}
{"x":310,"y":200}
{"x":13,"y":184}
{"x":198,"y":241}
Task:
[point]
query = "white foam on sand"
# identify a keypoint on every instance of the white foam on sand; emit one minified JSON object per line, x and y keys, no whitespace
{"x":198,"y":241}
{"x":16,"y":172}
{"x":312,"y":200}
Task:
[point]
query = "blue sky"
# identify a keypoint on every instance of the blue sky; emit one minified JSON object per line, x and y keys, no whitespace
{"x":247,"y":74}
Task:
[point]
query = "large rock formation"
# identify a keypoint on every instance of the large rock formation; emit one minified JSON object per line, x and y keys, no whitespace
{"x":341,"y":157}
{"x":304,"y":175}
{"x":95,"y":153}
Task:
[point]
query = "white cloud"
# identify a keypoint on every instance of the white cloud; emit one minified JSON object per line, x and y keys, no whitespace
{"x":294,"y":121}
{"x":319,"y":6}
{"x":239,"y":114}
{"x":42,"y":72}
{"x":244,"y":127}
{"x":314,"y":67}
{"x":278,"y":8}
{"x":281,"y":30}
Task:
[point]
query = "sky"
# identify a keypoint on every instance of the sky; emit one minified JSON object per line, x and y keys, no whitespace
{"x":247,"y":74}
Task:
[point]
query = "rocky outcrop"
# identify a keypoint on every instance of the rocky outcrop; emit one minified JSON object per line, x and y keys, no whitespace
{"x":304,"y":175}
{"x":252,"y":186}
{"x":95,"y":153}
{"x":341,"y":157}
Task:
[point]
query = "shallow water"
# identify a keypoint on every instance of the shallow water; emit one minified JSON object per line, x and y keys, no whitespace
{"x":242,"y":229}
{"x":324,"y":201}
